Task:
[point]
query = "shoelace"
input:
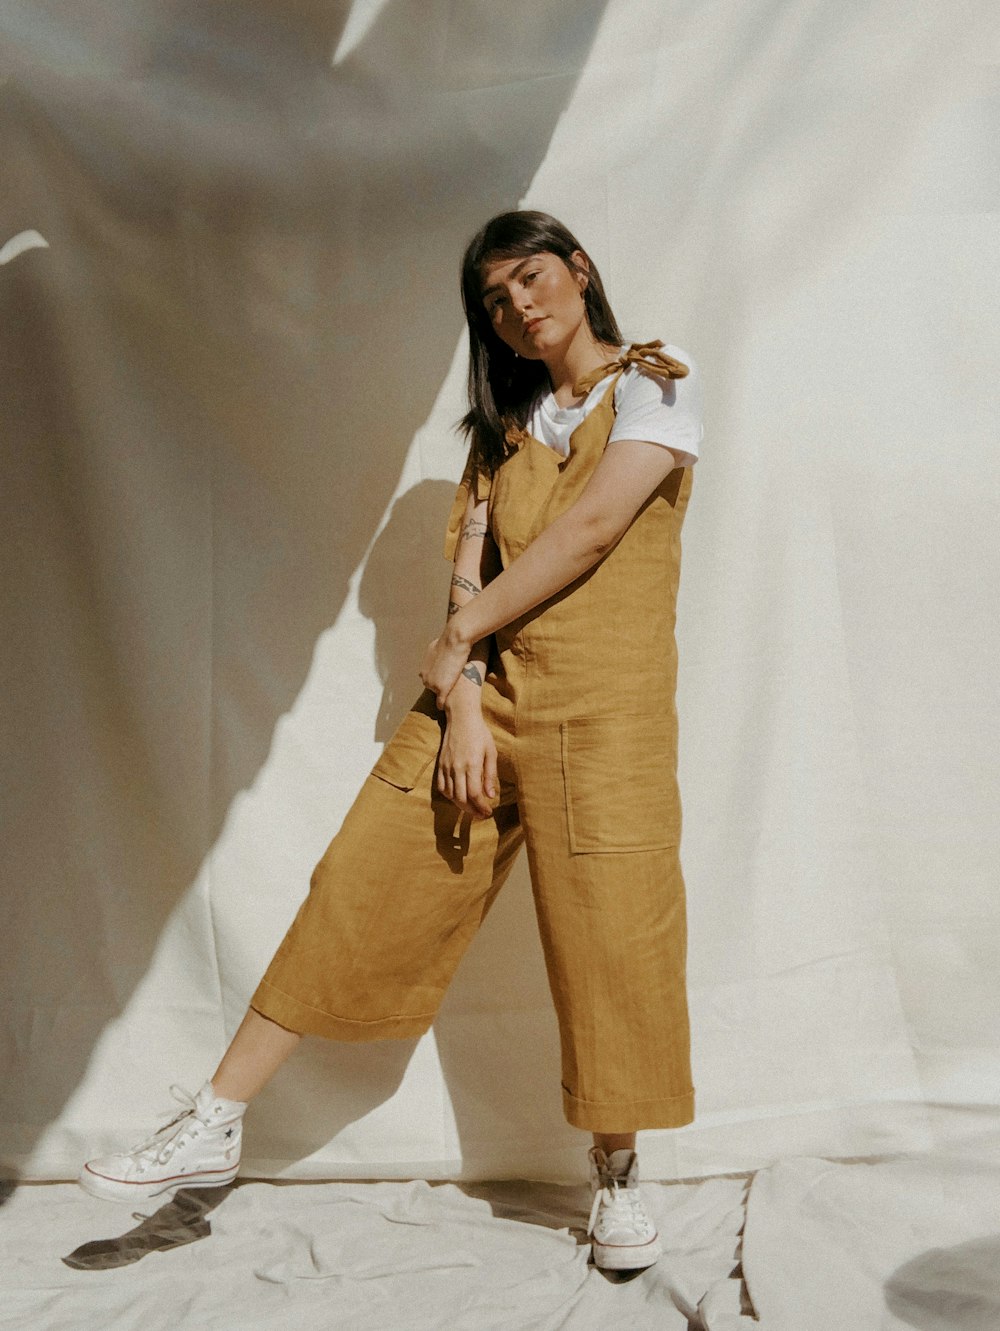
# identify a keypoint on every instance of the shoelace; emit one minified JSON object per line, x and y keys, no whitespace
{"x":158,"y":1148}
{"x":624,"y":1203}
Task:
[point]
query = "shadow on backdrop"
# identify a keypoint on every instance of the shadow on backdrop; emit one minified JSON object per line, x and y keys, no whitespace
{"x":247,"y":307}
{"x":495,"y":1088}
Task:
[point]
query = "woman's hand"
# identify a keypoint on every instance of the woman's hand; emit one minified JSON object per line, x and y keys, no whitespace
{"x":467,"y":763}
{"x":443,"y":663}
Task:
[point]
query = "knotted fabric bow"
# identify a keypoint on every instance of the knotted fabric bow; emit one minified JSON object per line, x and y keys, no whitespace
{"x":647,"y":355}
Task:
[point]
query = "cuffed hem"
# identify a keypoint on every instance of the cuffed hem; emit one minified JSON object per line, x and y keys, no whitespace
{"x":628,"y":1115}
{"x":297,"y":1016}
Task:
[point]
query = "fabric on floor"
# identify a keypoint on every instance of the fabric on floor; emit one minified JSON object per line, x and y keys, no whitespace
{"x":908,"y":1244}
{"x":368,"y":1257}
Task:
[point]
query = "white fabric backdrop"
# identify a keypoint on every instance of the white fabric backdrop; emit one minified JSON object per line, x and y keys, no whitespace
{"x":233,"y":352}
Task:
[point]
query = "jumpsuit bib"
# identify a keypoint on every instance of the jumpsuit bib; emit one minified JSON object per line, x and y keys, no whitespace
{"x":580,"y":698}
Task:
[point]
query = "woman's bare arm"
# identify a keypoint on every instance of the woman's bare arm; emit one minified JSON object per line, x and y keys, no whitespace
{"x":467,"y":762}
{"x":627,"y":474}
{"x":477,"y":562}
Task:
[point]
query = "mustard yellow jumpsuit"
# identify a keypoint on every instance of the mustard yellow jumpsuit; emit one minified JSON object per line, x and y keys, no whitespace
{"x":580,"y":698}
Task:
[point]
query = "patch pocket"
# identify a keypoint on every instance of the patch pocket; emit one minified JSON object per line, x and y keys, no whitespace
{"x":620,"y":775}
{"x":413,"y":747}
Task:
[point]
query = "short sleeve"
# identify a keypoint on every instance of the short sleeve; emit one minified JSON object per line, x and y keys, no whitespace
{"x":661,"y":411}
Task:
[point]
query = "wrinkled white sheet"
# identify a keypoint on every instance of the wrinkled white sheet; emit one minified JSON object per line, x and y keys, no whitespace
{"x":900,"y":1245}
{"x":907,"y":1244}
{"x":366,"y":1257}
{"x":232,"y":358}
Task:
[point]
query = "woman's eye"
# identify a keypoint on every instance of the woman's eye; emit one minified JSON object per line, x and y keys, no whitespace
{"x":529,"y":276}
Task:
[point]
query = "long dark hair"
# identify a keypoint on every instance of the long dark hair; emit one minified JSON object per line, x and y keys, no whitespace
{"x":502,"y":385}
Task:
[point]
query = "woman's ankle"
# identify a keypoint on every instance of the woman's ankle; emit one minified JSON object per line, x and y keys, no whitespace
{"x":221,"y":1090}
{"x":609,"y":1142}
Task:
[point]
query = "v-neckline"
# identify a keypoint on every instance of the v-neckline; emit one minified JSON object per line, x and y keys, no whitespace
{"x":562,"y":458}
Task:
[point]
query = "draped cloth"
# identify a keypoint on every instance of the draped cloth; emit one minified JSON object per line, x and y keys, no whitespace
{"x":233,"y":358}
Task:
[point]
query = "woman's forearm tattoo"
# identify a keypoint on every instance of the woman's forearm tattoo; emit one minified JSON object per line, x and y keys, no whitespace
{"x":470,"y":672}
{"x":473,"y":528}
{"x":465,"y":584}
{"x":453,"y":608}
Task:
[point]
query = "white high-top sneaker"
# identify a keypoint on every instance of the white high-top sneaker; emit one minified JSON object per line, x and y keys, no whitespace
{"x":624,"y":1238}
{"x":200,"y":1148}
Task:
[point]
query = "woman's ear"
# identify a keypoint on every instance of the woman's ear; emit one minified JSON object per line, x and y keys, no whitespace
{"x":582,"y":265}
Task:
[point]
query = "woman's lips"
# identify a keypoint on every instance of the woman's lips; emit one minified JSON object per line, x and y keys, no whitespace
{"x":532,"y":324}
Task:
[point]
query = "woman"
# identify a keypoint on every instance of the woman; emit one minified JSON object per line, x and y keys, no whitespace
{"x":548,"y":720}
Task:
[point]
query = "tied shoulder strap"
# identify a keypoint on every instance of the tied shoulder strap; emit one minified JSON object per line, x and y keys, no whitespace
{"x":647,"y":355}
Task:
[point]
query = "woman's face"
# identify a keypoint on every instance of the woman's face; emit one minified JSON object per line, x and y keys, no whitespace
{"x":535,"y":303}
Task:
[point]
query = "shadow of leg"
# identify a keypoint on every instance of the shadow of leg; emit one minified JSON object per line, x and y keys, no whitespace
{"x":182,"y":1220}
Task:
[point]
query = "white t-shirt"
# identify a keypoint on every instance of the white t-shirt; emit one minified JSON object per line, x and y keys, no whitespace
{"x":660,"y":411}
